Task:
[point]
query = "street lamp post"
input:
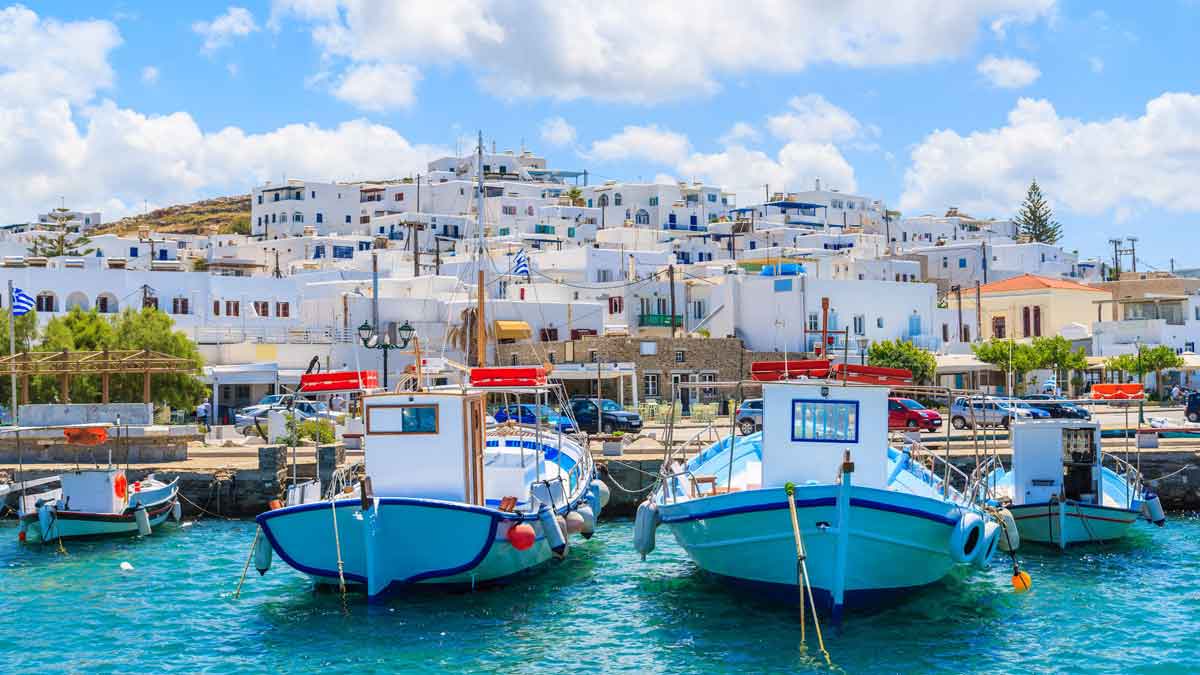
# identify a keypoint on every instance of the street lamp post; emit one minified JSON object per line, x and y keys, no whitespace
{"x":862,"y":350}
{"x":366,"y":332}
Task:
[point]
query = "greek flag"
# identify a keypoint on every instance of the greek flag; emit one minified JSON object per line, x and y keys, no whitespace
{"x":520,"y":263}
{"x":21,"y":302}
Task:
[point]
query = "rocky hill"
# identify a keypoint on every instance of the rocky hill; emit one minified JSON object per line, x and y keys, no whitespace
{"x":228,"y":214}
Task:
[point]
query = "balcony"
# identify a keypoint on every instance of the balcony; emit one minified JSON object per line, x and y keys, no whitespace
{"x":659,"y":320}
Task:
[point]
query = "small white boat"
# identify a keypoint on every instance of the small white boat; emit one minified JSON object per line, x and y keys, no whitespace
{"x":1059,"y":490}
{"x":97,"y":502}
{"x":447,"y":500}
{"x":875,"y":523}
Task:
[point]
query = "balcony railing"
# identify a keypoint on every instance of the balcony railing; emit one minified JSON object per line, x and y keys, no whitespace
{"x":663,"y":320}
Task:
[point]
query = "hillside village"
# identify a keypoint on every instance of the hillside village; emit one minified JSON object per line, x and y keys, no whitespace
{"x":637,"y":288}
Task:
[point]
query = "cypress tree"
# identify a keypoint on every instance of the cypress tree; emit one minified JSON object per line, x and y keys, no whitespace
{"x":1035,"y":221}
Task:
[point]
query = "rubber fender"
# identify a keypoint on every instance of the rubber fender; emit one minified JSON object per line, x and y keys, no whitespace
{"x":644,"y":526}
{"x":966,"y":537}
{"x":1010,"y":536}
{"x":988,"y":546}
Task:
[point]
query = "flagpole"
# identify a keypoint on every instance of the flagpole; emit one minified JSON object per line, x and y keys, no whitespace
{"x":12,"y":352}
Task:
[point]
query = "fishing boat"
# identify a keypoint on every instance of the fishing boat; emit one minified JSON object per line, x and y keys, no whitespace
{"x":445,"y":498}
{"x":819,"y":487}
{"x":92,"y":502}
{"x":1063,"y":489}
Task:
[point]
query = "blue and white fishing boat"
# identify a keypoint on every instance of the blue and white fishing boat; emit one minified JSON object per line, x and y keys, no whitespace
{"x":875,"y":523}
{"x":447,"y":500}
{"x":92,"y":502}
{"x":1059,"y":490}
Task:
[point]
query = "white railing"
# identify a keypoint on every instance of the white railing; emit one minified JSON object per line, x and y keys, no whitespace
{"x":218,"y":335}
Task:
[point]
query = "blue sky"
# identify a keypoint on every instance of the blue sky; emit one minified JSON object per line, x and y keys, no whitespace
{"x":116,"y":105}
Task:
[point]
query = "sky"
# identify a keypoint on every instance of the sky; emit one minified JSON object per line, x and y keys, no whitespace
{"x":923,"y":104}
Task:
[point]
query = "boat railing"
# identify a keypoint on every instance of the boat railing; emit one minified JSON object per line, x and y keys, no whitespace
{"x":343,"y":477}
{"x":941,"y":474}
{"x":579,"y":471}
{"x":1123,"y":468}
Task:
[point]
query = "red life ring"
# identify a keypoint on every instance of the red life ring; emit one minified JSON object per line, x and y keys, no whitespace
{"x":120,"y":485}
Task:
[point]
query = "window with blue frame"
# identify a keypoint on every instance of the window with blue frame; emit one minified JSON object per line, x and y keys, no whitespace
{"x":320,"y":217}
{"x":824,"y":421}
{"x":712,"y":197}
{"x":364,"y":246}
{"x":133,"y":252}
{"x":347,"y":220}
{"x":692,"y":220}
{"x":962,"y":263}
{"x":343,"y":251}
{"x":671,"y":218}
{"x":319,"y":252}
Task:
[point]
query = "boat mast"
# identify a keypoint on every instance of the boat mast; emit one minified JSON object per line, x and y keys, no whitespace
{"x":480,"y":326}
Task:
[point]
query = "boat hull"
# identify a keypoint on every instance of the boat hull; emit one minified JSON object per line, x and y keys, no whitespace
{"x":1075,"y":524}
{"x":895,"y":541}
{"x":78,"y":525}
{"x":400,"y":542}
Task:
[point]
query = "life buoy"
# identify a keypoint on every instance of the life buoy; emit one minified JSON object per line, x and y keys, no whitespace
{"x":120,"y":486}
{"x":85,"y":435}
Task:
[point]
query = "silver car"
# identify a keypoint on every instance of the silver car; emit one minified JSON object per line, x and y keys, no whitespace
{"x":749,"y":416}
{"x":984,"y":412}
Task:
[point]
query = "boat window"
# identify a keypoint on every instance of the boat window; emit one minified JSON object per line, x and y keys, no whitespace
{"x":825,"y":421}
{"x":402,"y":419}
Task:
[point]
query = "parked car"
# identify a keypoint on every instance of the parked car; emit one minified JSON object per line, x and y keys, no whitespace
{"x":303,"y":409}
{"x":1058,"y":408}
{"x":1192,"y":411}
{"x":268,"y":401}
{"x":905,"y":413}
{"x":749,"y":416}
{"x":984,"y":412}
{"x":1032,"y":412}
{"x":604,"y":414}
{"x":528,"y":413}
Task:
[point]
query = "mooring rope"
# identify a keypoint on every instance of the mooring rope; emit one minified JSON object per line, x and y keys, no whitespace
{"x":246,"y":568}
{"x":337,"y":542}
{"x":201,"y":509}
{"x":802,"y":574}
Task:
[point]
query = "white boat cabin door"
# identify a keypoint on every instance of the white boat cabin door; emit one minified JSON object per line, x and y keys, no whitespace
{"x":426,"y":445}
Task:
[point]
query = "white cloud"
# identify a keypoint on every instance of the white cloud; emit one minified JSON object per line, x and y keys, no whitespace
{"x":648,"y":143}
{"x":236,"y":22}
{"x":558,"y":132}
{"x":812,"y":119}
{"x":1007,"y":73}
{"x":379,"y":87}
{"x":811,"y":131}
{"x":97,"y":154}
{"x":150,"y":75}
{"x":1116,"y":164}
{"x":41,"y":59}
{"x":568,"y":49}
{"x":741,"y":132}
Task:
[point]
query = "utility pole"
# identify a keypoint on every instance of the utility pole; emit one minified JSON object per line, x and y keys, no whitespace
{"x":1133,"y":252}
{"x":375,"y":290}
{"x":1116,"y":244}
{"x":413,"y":228}
{"x":978,"y":312}
{"x":958,"y":298}
{"x":437,"y":256}
{"x":418,"y":193}
{"x":671,"y":276}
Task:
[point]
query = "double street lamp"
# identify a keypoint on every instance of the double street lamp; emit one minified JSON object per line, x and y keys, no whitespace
{"x":371,"y":339}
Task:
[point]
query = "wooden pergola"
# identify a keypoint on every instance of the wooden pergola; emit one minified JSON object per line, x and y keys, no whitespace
{"x":67,"y":364}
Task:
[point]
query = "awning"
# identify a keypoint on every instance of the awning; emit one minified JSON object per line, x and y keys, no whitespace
{"x":512,"y":330}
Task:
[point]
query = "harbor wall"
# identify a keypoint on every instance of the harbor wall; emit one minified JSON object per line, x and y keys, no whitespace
{"x":48,"y":414}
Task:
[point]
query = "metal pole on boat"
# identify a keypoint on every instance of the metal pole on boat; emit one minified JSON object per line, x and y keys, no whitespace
{"x":843,"y":538}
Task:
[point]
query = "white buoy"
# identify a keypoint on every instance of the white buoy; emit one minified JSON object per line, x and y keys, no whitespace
{"x":1010,"y":536}
{"x":143,"y":521}
{"x":603,"y":492}
{"x":589,"y":520}
{"x":126,"y":567}
{"x":644,"y":526}
{"x":262,"y":555}
{"x":574,"y":522}
{"x":177,"y":512}
{"x":1152,"y":510}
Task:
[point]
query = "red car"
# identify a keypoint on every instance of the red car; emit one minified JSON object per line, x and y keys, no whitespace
{"x":905,"y":413}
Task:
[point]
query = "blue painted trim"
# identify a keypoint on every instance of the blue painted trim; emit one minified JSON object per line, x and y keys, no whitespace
{"x":811,"y":503}
{"x":488,"y":542}
{"x":1044,"y":505}
{"x":824,"y":401}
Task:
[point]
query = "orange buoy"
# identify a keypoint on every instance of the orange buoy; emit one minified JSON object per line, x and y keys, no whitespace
{"x":1021,"y":581}
{"x":521,"y":536}
{"x":21,"y":536}
{"x":274,"y":504}
{"x":120,"y":485}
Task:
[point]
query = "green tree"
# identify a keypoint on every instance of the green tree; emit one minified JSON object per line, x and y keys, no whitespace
{"x":1017,"y":357}
{"x":576,"y":196}
{"x":900,"y":354}
{"x":1056,"y":354}
{"x":60,"y":244}
{"x":1148,"y":360}
{"x":77,"y":330}
{"x":1035,"y":220}
{"x":26,"y":333}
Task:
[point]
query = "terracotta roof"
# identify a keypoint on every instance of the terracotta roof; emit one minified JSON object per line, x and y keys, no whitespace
{"x":1033,"y":282}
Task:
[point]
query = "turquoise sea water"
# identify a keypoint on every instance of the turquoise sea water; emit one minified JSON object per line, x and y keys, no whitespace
{"x":1128,"y":608}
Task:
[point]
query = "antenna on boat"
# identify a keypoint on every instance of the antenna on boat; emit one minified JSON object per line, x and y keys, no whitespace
{"x":480,"y":327}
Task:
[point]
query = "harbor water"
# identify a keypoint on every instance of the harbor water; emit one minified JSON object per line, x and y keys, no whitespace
{"x":1126,"y":608}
